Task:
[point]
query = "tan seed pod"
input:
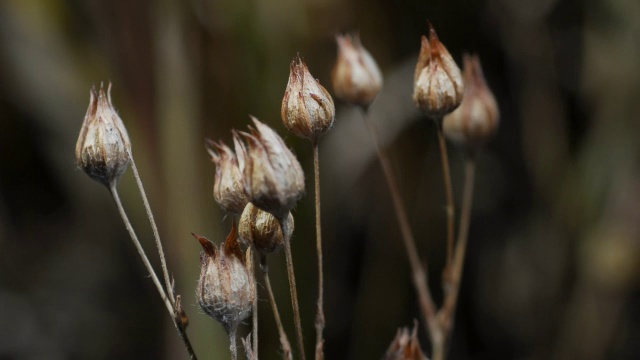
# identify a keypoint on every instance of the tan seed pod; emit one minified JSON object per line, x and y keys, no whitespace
{"x":228,"y":190}
{"x":356,"y":77}
{"x":438,"y":86}
{"x":405,"y":346}
{"x":262,"y":230}
{"x":101,"y":150}
{"x":307,"y":107}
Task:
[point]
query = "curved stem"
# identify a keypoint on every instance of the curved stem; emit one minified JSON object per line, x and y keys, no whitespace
{"x":419,"y":273}
{"x":152,"y":273}
{"x":320,"y":321}
{"x":446,"y":177}
{"x":284,"y":339}
{"x":449,"y":307}
{"x":292,"y":286}
{"x":156,"y":235}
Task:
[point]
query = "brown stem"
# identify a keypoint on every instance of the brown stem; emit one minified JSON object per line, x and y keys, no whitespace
{"x":233,"y":348}
{"x":152,"y":273}
{"x":448,"y":309}
{"x":292,"y":285}
{"x":156,"y":235}
{"x":446,"y":177}
{"x":284,"y":340}
{"x":419,"y":273}
{"x":320,"y":321}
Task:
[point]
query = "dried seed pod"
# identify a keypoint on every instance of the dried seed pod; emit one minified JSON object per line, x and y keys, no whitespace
{"x":356,"y":77}
{"x":477,"y":118}
{"x":101,"y":150}
{"x":307,"y":107}
{"x":227,"y":187}
{"x":225,"y":287}
{"x":438,"y":87}
{"x":262,"y":230}
{"x":272,"y":176}
{"x":405,"y":346}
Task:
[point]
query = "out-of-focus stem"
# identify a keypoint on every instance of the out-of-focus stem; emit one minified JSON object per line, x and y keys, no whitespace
{"x":284,"y":339}
{"x":419,"y":273}
{"x":320,"y":321}
{"x":446,"y":177}
{"x":174,"y":316}
{"x":448,"y":309}
{"x":292,"y":285}
{"x":156,"y":235}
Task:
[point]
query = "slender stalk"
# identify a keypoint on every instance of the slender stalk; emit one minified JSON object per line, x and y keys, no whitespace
{"x":450,"y":302}
{"x":152,"y":273}
{"x":419,"y":273}
{"x":446,"y":177}
{"x":292,"y":286}
{"x":156,"y":235}
{"x":320,"y":321}
{"x":136,"y":243}
{"x":232,"y":344}
{"x":284,"y":340}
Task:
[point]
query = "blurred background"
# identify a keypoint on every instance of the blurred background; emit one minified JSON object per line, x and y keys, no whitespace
{"x":553,"y":267}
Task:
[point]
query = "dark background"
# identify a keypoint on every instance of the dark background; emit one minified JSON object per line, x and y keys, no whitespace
{"x":553,"y":258}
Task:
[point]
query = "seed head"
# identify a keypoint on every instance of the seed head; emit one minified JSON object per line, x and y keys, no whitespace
{"x":405,"y":346}
{"x":262,"y":230}
{"x":438,"y":87}
{"x":307,"y":107}
{"x":227,"y":187}
{"x":272,"y":176}
{"x":477,"y":118}
{"x":356,"y":77}
{"x":225,"y":287}
{"x":101,"y":150}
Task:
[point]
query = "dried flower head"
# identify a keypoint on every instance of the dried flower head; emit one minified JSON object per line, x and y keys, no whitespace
{"x":307,"y":107}
{"x":477,"y":118}
{"x":225,"y":287}
{"x":405,"y":346}
{"x":272,"y":176}
{"x":356,"y":77}
{"x":227,"y":187}
{"x":438,"y":87}
{"x":101,"y":150}
{"x":262,"y":230}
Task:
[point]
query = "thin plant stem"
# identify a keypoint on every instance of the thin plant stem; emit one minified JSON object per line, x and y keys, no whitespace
{"x":255,"y":312}
{"x":136,"y":243}
{"x":152,"y":273}
{"x":292,"y":286}
{"x":284,"y":339}
{"x":419,"y":272}
{"x":446,"y":177}
{"x":450,"y":302}
{"x":320,"y":321}
{"x":232,"y":344}
{"x":156,"y":235}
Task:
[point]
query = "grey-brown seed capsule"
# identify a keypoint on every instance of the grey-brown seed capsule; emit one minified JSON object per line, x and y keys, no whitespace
{"x":262,"y":230}
{"x":272,"y":176}
{"x":438,"y":86}
{"x":307,"y":107}
{"x":101,"y":150}
{"x":227,"y":187}
{"x":225,"y":287}
{"x":476,"y":119}
{"x":356,"y":77}
{"x":405,"y":346}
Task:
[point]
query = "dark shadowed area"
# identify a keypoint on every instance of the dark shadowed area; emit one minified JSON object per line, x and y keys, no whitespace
{"x":553,"y":261}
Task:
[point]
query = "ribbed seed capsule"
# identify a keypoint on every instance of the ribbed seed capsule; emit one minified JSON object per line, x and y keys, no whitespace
{"x":225,"y":287}
{"x":405,"y":346}
{"x":101,"y":150}
{"x":307,"y":107}
{"x":438,"y":87}
{"x":476,"y":119}
{"x":262,"y":230}
{"x":356,"y":77}
{"x":228,"y":190}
